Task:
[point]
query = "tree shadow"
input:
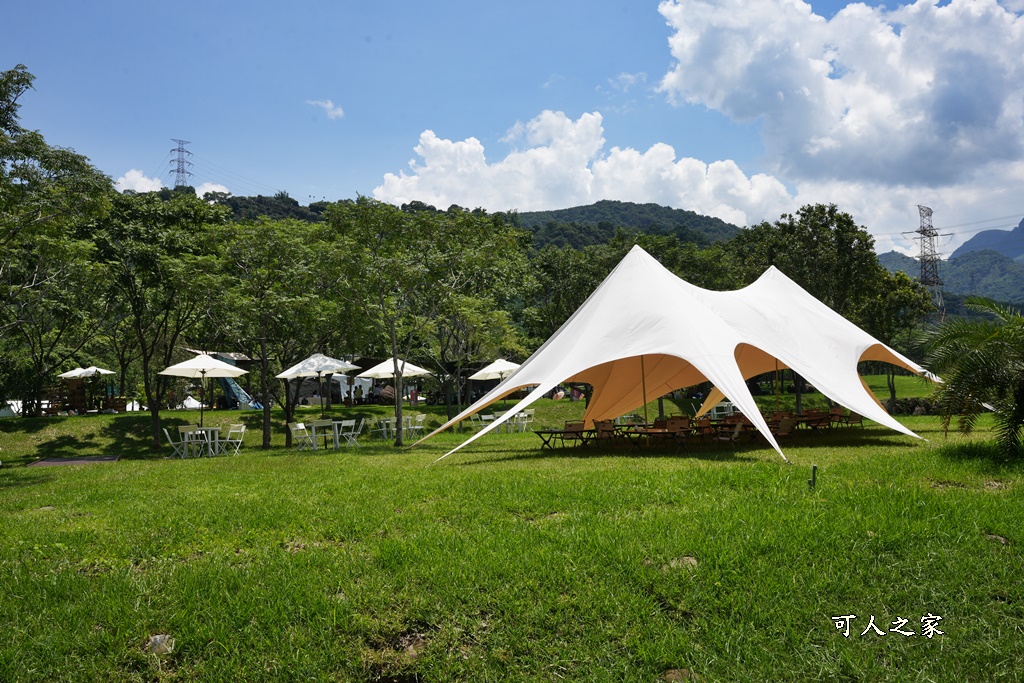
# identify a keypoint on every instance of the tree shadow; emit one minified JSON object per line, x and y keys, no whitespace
{"x":131,"y":437}
{"x":591,"y":452}
{"x":23,"y":479}
{"x":29,"y":425}
{"x":986,"y":453}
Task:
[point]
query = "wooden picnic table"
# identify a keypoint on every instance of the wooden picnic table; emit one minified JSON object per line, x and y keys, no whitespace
{"x":548,"y":436}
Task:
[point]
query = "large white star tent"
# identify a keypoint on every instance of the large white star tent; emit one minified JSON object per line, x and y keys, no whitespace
{"x":645,"y":332}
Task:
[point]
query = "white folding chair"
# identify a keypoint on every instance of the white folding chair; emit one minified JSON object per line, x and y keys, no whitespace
{"x":180,"y":447}
{"x":382,"y":428}
{"x":301,"y":439}
{"x":194,"y":439}
{"x":233,"y":441}
{"x":416,"y":425}
{"x":350,"y":431}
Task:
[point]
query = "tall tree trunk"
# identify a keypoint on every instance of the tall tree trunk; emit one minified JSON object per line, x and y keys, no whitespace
{"x":798,"y":388}
{"x":890,"y":378}
{"x":398,"y":383}
{"x":265,"y":391}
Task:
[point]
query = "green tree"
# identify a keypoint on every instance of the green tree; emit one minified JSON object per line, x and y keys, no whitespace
{"x":280,"y":302}
{"x":823,"y":250}
{"x":48,"y":196}
{"x":405,"y":268}
{"x":163,"y":274}
{"x":981,"y":363}
{"x":58,"y":311}
{"x":563,"y":278}
{"x":893,"y":314}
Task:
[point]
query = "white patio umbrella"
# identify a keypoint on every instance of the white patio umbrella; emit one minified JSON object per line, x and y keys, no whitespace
{"x":203,"y":366}
{"x":499,"y":369}
{"x":82,"y":373}
{"x":90,"y":371}
{"x":386,"y":370}
{"x":317,"y":366}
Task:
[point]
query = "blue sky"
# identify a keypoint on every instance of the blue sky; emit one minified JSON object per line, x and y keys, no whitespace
{"x":742,"y":109}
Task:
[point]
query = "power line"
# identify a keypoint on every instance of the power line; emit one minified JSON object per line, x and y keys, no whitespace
{"x":232,"y":177}
{"x":967,"y":232}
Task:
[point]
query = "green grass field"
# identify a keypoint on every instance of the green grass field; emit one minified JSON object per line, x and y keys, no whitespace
{"x":506,"y":563}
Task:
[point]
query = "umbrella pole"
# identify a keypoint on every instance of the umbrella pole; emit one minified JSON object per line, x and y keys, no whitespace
{"x":202,"y":396}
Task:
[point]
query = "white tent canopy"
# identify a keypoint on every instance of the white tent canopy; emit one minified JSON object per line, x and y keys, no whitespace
{"x":644,"y":332}
{"x":386,"y":370}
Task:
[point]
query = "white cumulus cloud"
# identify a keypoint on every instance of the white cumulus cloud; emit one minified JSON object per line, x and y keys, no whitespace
{"x":562,"y":164}
{"x":876,"y":110}
{"x":210,"y":187}
{"x":334,"y":111}
{"x":919,"y":94}
{"x":137,"y":181}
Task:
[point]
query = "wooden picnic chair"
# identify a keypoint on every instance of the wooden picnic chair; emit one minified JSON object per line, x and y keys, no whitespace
{"x":730,"y":434}
{"x":604,"y":431}
{"x":786,"y":427}
{"x":836,"y":416}
{"x":854,"y":420}
{"x":574,"y":433}
{"x":704,"y":429}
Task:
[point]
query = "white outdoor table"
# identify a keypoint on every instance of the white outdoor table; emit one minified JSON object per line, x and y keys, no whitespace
{"x":212,"y":445}
{"x":325,"y":425}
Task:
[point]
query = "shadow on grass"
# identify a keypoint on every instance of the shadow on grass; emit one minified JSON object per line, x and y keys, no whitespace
{"x":712,"y":454}
{"x":29,"y":425}
{"x":8,"y":481}
{"x":986,"y":453}
{"x":131,"y":437}
{"x":848,"y":438}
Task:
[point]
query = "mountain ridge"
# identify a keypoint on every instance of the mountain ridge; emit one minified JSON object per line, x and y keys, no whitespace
{"x":596,"y":223}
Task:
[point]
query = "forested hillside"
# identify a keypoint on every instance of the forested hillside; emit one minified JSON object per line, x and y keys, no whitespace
{"x":984,"y":273}
{"x":278,"y":207}
{"x":596,"y":224}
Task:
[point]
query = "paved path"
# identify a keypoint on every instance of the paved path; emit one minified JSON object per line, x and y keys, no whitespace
{"x":47,"y":462}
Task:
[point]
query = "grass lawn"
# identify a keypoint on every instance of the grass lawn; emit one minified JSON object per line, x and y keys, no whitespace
{"x":506,"y":563}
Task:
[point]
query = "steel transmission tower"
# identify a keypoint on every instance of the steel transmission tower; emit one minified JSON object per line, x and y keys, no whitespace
{"x":181,"y":172}
{"x":930,"y":260}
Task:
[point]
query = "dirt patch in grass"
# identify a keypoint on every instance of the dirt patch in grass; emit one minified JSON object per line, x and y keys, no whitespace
{"x":393,"y":657}
{"x":947,"y":484}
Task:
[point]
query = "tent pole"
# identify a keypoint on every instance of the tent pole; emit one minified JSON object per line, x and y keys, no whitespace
{"x":643,"y":384}
{"x":776,"y":385}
